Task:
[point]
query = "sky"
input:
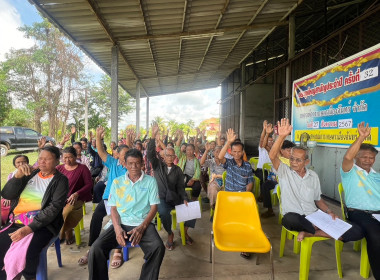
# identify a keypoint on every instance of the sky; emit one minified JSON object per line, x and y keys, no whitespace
{"x":197,"y":105}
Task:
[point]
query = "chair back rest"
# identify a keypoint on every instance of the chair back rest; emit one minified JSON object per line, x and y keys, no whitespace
{"x":279,"y":198}
{"x":342,"y":203}
{"x":267,"y":166}
{"x":254,"y":161}
{"x":236,"y":208}
{"x":224,"y":175}
{"x":256,"y":184}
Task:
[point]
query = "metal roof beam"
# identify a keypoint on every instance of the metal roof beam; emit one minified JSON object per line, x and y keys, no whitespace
{"x":190,"y":34}
{"x":148,"y":30}
{"x":222,"y":12}
{"x":104,"y":25}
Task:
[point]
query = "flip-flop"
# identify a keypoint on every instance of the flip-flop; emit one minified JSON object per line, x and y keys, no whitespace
{"x":83,"y":260}
{"x":246,"y":256}
{"x":189,"y":241}
{"x":118,"y":262}
{"x":169,"y":246}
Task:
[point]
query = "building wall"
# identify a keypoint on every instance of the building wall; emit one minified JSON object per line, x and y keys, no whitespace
{"x":259,"y":107}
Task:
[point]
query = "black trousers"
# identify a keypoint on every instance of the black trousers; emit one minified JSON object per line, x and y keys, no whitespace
{"x":150,"y":243}
{"x":40,"y":239}
{"x":265,"y":192}
{"x":96,"y":222}
{"x":196,"y":187}
{"x":98,"y":191}
{"x":297,"y":222}
{"x":371,"y":231}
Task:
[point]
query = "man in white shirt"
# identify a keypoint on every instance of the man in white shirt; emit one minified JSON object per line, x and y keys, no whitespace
{"x":301,"y":191}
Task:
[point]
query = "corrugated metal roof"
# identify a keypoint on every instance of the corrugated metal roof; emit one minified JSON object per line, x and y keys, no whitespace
{"x":169,"y":46}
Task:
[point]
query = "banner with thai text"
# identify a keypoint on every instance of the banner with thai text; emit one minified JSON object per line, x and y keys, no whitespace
{"x":329,"y":104}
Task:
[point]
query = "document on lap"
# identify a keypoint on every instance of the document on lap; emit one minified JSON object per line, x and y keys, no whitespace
{"x":335,"y":228}
{"x":376,"y":216}
{"x":189,"y":212}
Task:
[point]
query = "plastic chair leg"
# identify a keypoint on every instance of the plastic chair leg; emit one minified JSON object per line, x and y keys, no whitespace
{"x":174,"y":220}
{"x":282,"y":243}
{"x":200,"y":202}
{"x":182,"y":230}
{"x":338,"y":251}
{"x":296,"y":245}
{"x":306,"y":247}
{"x":81,"y":224}
{"x":84,"y":209}
{"x":159,"y":223}
{"x":126,"y":253}
{"x":211,"y":212}
{"x":78,"y":239}
{"x":290,"y":236}
{"x":57,"y":244}
{"x":364,"y":262}
{"x":93,"y":207}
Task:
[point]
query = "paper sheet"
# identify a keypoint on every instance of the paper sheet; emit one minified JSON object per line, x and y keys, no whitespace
{"x":275,"y":189}
{"x":108,"y":208}
{"x":189,"y":212}
{"x":335,"y":228}
{"x":376,"y":216}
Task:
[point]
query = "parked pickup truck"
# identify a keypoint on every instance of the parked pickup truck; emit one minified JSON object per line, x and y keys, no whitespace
{"x":19,"y":138}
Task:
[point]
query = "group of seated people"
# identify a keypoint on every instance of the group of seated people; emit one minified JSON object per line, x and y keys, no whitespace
{"x":136,"y":178}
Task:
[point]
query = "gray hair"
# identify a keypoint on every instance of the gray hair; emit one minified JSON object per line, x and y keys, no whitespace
{"x":169,"y":148}
{"x":306,"y":150}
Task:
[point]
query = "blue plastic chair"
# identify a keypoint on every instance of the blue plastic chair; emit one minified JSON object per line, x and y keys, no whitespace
{"x":125,"y":252}
{"x":42,"y":266}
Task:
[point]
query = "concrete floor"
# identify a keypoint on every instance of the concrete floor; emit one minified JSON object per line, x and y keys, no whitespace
{"x":192,"y":262}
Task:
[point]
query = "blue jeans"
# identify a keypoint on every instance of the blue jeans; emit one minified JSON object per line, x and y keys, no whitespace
{"x":166,"y":219}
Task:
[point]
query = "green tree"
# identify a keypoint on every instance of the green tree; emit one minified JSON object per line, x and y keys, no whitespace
{"x":100,"y":99}
{"x":5,"y":101}
{"x":18,"y":117}
{"x":45,"y":75}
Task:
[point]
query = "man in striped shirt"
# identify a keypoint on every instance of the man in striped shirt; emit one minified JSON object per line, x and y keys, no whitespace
{"x":239,"y":172}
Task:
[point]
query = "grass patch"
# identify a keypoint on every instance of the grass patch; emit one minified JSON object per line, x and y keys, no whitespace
{"x":7,"y":163}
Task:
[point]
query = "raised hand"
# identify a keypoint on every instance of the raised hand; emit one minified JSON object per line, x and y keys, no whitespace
{"x":198,"y":131}
{"x":207,"y":146}
{"x":364,"y":130}
{"x":265,"y":123}
{"x":283,"y":127}
{"x":231,"y":136}
{"x":66,"y":137}
{"x":269,"y":128}
{"x":73,"y":129}
{"x":91,"y":135}
{"x":41,"y":142}
{"x":99,"y":131}
{"x":155,"y":129}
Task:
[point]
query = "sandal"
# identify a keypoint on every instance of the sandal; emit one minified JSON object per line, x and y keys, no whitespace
{"x":169,"y":246}
{"x":246,"y":256}
{"x":189,"y":241}
{"x":117,"y":260}
{"x":83,"y":260}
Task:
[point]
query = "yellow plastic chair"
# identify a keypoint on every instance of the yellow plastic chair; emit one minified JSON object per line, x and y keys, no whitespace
{"x":266,"y":167}
{"x":305,"y":248}
{"x":364,"y":262}
{"x":256,"y":186}
{"x":236,"y":220}
{"x":224,"y":178}
{"x":173,"y":213}
{"x":190,"y":190}
{"x":253,"y":161}
{"x":159,"y":223}
{"x":78,"y":239}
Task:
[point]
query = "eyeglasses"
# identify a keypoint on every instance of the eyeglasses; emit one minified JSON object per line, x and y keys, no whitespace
{"x":169,"y":155}
{"x":298,"y":160}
